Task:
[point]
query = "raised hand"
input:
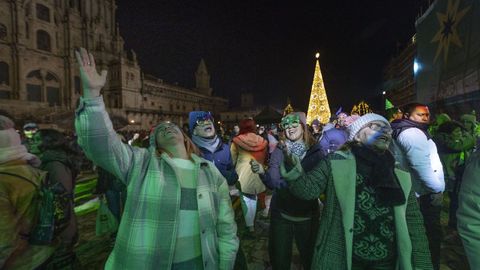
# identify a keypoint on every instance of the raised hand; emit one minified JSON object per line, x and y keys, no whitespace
{"x":92,"y":82}
{"x":256,"y":167}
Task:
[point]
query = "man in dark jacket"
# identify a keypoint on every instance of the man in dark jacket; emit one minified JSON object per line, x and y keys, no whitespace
{"x":211,"y":146}
{"x":215,"y":150}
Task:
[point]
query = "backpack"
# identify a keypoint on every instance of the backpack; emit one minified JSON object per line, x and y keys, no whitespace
{"x":54,"y":210}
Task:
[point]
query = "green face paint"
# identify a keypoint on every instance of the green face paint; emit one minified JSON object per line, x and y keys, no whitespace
{"x":290,"y":121}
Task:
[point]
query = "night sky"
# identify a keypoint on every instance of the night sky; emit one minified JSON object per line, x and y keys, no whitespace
{"x":268,"y":47}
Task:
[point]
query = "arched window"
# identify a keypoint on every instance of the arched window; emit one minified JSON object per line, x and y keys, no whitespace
{"x":43,"y":13}
{"x":4,"y":74}
{"x":43,"y":88}
{"x":3,"y":32}
{"x":34,"y":86}
{"x":53,"y":89}
{"x":43,"y":41}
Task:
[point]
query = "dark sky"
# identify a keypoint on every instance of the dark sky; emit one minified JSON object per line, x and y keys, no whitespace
{"x":268,"y":47}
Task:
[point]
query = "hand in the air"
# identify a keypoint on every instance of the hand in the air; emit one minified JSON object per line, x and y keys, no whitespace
{"x":92,"y":81}
{"x":256,"y":167}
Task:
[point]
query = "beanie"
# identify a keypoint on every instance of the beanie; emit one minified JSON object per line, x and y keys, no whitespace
{"x":361,"y":122}
{"x":315,"y":122}
{"x":197,"y":115}
{"x":30,"y":125}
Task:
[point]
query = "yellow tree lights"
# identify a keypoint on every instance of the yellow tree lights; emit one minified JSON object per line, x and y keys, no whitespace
{"x":318,"y":107}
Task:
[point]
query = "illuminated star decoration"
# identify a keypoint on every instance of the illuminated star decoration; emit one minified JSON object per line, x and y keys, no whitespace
{"x":447,"y":33}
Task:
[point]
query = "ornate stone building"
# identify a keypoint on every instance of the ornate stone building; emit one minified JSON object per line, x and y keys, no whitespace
{"x":39,"y":78}
{"x":246,"y":110}
{"x":399,"y":81}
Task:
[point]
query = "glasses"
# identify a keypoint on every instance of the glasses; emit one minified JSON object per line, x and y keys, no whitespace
{"x":291,"y":124}
{"x":379,"y":127}
{"x":205,"y":119}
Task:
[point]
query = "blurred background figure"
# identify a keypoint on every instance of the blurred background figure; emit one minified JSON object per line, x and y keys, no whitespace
{"x":469,"y":210}
{"x":247,"y":145}
{"x":63,"y":166}
{"x":19,"y":180}
{"x":29,"y":130}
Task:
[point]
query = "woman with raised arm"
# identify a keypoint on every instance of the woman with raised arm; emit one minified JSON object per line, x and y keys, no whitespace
{"x":178,"y":213}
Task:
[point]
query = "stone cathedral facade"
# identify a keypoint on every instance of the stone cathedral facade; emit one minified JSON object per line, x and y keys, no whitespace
{"x":39,"y":78}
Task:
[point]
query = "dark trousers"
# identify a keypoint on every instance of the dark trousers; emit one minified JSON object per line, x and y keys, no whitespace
{"x":280,"y":242}
{"x":115,"y":202}
{"x":452,"y":211}
{"x":431,"y":220}
{"x":380,"y":265}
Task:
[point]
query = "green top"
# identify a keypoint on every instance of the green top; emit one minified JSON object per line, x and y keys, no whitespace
{"x":188,"y":249}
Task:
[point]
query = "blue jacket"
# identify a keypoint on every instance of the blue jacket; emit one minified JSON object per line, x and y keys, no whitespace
{"x":334,"y":137}
{"x":282,"y":200}
{"x":222,"y":160}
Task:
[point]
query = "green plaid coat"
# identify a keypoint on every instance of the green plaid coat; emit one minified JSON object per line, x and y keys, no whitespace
{"x":148,"y":229}
{"x":335,"y":176}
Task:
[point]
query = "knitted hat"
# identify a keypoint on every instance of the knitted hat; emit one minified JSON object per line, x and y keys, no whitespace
{"x":315,"y":122}
{"x":361,"y":122}
{"x":30,"y":126}
{"x":197,"y":115}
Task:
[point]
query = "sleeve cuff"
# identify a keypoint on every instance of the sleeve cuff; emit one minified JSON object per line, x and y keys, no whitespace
{"x":89,"y":102}
{"x":294,"y":173}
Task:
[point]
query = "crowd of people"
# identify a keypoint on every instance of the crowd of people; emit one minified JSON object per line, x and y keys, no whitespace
{"x":361,"y":192}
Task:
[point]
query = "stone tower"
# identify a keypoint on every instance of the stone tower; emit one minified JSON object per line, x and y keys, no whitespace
{"x":202,"y":79}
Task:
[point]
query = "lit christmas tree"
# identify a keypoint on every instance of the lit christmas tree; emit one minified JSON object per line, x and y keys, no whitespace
{"x":288,"y":109}
{"x":318,"y":107}
{"x":361,"y":108}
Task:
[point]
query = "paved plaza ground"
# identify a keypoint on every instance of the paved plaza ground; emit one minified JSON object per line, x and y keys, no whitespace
{"x":93,"y":250}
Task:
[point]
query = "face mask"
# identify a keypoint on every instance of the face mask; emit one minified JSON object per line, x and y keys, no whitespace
{"x":291,"y":121}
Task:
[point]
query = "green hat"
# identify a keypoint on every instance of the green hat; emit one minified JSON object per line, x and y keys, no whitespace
{"x":388,"y":104}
